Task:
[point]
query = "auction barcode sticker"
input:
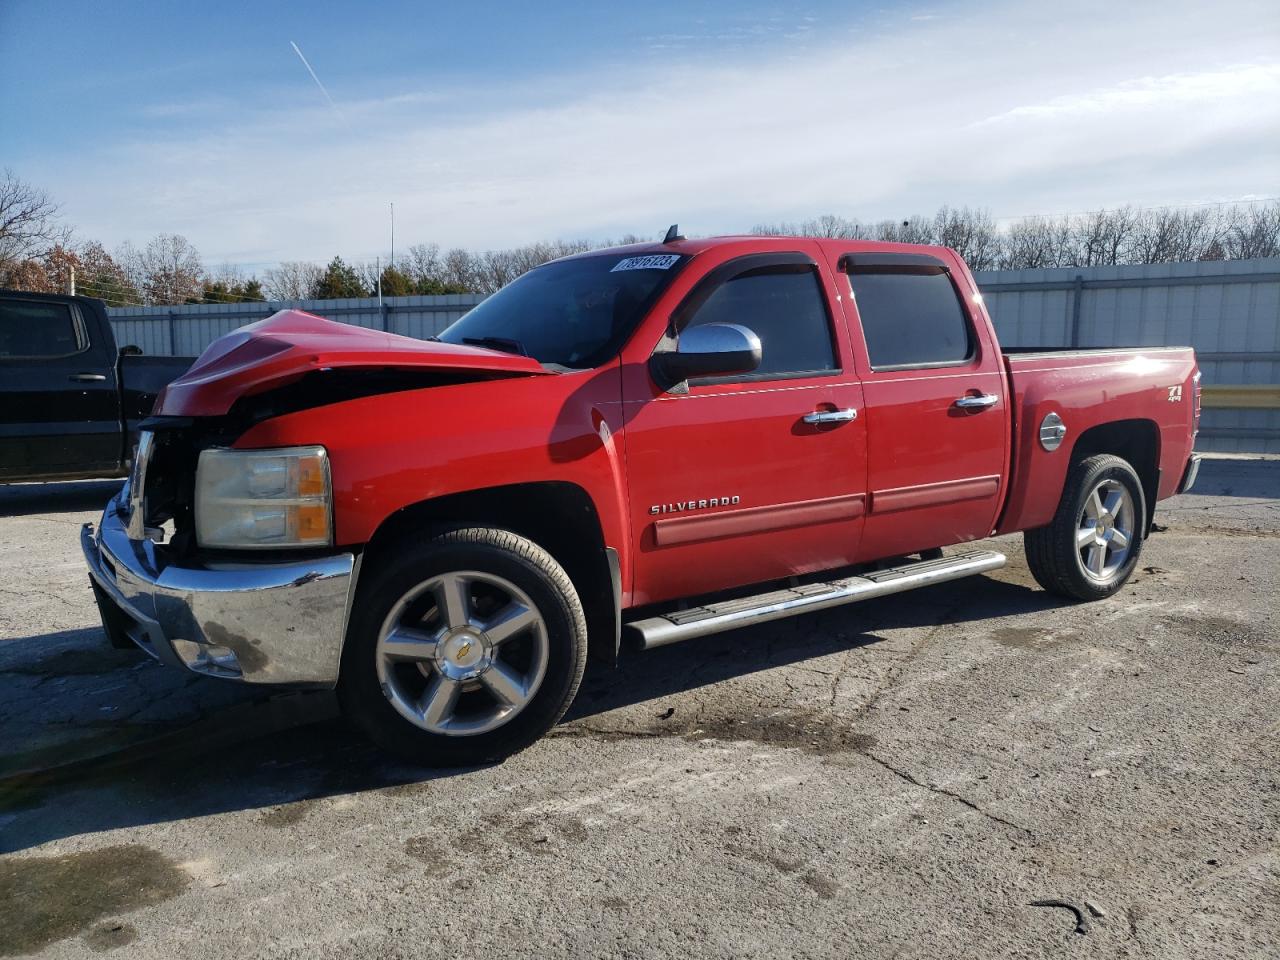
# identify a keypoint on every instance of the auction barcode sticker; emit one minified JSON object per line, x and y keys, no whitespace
{"x":656,"y":261}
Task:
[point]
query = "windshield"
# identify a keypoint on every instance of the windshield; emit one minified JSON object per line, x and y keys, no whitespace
{"x":574,"y":313}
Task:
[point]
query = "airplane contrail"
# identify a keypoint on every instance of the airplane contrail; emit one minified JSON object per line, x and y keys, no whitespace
{"x":315,"y":78}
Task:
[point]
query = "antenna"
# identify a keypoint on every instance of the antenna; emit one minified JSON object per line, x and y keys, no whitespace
{"x":673,"y":234}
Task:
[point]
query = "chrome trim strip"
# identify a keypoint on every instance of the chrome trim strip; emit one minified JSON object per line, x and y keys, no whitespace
{"x":1190,"y":474}
{"x":661,"y":630}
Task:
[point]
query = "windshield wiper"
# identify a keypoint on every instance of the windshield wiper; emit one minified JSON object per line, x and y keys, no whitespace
{"x":497,"y":343}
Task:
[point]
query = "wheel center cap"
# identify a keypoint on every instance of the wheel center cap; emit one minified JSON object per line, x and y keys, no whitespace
{"x":463,"y":654}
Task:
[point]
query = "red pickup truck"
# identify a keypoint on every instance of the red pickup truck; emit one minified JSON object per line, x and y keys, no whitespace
{"x":639,"y":445}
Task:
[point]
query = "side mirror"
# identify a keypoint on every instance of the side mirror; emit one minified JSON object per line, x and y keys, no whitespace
{"x":710,"y":350}
{"x":131,"y":350}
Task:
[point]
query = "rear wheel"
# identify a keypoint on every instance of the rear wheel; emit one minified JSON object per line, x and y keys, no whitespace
{"x":1092,"y":545}
{"x":464,"y":649}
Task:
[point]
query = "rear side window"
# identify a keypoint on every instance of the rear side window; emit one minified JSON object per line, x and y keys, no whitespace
{"x":911,"y":319}
{"x":29,"y":328}
{"x":785,"y":308}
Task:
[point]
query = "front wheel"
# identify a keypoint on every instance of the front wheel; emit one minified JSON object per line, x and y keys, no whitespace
{"x":1090,"y":548}
{"x":463,"y":649}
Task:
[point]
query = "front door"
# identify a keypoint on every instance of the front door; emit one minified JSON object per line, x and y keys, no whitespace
{"x":756,"y":477}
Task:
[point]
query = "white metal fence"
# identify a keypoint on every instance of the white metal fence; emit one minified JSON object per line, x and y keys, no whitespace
{"x":1228,"y":310}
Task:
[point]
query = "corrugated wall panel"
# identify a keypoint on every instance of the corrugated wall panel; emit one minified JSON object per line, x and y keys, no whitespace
{"x":1201,"y":304}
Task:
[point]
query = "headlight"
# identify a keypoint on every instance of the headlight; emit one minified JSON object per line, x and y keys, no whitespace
{"x":263,"y":499}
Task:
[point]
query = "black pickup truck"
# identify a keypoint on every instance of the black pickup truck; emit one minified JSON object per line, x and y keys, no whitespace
{"x":70,"y":401}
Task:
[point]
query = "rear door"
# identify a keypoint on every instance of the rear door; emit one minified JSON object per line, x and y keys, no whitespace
{"x":733,"y":481}
{"x":58,"y":392}
{"x":937,"y":412}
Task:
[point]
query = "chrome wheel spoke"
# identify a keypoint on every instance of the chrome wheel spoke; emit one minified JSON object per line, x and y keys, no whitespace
{"x":1112,"y":503}
{"x":408,"y":644}
{"x":509,"y":621}
{"x":505,"y":684}
{"x":1118,"y":539}
{"x":438,"y":701}
{"x":1093,"y":508}
{"x":1086,"y":534}
{"x":1097,"y":558}
{"x":453,"y":593}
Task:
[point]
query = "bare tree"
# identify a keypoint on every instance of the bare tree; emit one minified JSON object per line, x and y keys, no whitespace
{"x":28,"y":222}
{"x":168,"y":270}
{"x":1174,"y":236}
{"x":1252,"y":232}
{"x":292,"y":280}
{"x":1035,"y":243}
{"x":1102,"y":238}
{"x":971,"y":233}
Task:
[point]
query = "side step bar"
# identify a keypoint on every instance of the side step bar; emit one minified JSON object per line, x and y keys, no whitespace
{"x":730,"y":614}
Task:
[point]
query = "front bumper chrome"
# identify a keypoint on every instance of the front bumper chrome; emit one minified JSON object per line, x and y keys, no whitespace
{"x":257,"y":622}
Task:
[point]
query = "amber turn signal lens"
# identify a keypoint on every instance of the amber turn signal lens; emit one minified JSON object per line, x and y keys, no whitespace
{"x":311,"y":522}
{"x":311,"y":477}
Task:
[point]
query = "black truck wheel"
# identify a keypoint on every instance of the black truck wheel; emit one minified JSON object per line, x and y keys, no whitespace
{"x":464,"y":649}
{"x":1093,"y":543}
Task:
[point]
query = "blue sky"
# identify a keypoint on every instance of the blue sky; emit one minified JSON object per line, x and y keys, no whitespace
{"x":491,"y":124}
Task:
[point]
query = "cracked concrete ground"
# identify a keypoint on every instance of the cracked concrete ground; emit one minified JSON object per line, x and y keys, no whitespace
{"x":974,"y":770}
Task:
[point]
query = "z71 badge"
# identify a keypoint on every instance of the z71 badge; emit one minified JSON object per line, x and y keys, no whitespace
{"x":1175,"y":394}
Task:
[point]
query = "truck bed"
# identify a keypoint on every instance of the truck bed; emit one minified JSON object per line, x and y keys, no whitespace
{"x":1152,"y":391}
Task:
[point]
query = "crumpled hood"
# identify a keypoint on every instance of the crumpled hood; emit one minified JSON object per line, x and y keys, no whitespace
{"x":289,"y":344}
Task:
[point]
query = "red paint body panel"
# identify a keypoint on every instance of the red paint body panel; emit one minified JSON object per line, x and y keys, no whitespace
{"x":910,"y":472}
{"x":1088,"y":390}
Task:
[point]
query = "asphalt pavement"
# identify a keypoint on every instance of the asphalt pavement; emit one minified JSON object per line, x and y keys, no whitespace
{"x":973,"y":770}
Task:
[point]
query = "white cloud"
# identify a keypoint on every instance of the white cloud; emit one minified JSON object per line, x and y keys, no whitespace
{"x":1020,"y":110}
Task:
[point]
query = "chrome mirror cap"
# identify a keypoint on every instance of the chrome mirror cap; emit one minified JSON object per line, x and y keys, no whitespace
{"x":710,"y":350}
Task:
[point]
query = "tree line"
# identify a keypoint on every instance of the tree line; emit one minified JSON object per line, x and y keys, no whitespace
{"x":38,"y":253}
{"x":1127,"y":235}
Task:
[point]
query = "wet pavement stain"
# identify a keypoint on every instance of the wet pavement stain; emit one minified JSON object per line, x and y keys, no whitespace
{"x":287,"y":814}
{"x":822,"y":886}
{"x":1033,"y":638}
{"x":52,"y":898}
{"x":109,"y":936}
{"x":812,"y":731}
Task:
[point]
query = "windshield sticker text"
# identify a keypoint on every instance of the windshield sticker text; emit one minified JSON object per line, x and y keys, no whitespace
{"x":656,"y":261}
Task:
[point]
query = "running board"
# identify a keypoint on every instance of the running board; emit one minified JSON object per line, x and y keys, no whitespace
{"x":730,"y":614}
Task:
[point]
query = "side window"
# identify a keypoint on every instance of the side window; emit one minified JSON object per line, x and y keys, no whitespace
{"x":785,"y":308}
{"x":911,"y":319}
{"x":30,"y":328}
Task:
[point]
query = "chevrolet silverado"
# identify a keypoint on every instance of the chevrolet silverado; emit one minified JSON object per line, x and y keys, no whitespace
{"x":634,"y":446}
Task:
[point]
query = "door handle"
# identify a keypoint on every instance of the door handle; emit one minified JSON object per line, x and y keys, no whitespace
{"x":88,"y":377}
{"x":978,"y":403}
{"x":831,"y":416}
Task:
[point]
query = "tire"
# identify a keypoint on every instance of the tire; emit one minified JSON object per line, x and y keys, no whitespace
{"x":1078,"y":555}
{"x":443,"y":667}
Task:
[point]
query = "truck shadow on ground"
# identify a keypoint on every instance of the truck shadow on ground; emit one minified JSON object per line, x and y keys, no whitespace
{"x":72,"y":496}
{"x":272,"y":752}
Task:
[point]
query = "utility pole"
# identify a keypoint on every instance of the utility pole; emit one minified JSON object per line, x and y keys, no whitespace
{"x":393,"y":233}
{"x":378,"y":261}
{"x":71,"y":284}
